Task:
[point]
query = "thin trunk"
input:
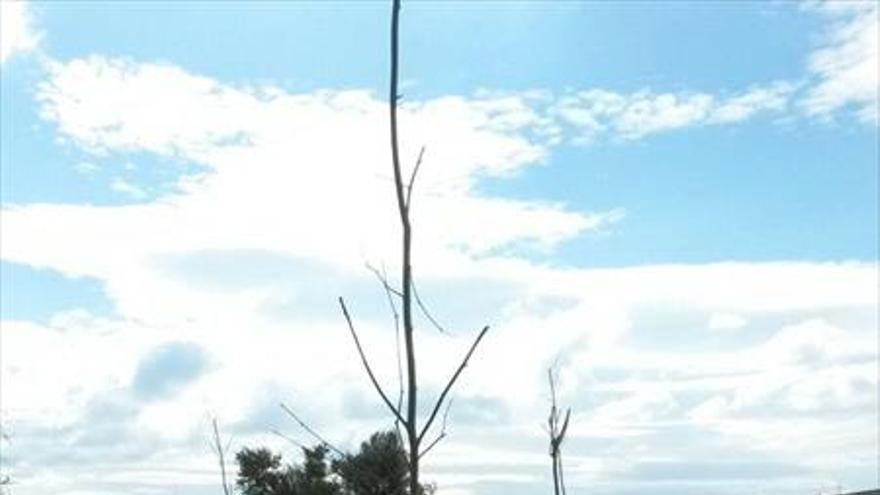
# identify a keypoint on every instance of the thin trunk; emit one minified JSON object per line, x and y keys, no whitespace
{"x":406,"y":268}
{"x":221,"y":456}
{"x":561,"y":475}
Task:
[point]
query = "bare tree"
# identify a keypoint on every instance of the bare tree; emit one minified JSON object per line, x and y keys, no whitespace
{"x":220,"y":450}
{"x":557,"y":436}
{"x":415,"y":435}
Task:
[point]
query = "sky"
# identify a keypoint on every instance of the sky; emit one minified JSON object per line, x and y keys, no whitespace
{"x":674,"y":204}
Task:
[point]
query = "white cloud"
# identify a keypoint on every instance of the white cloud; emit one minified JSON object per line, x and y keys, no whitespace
{"x":587,"y":314}
{"x":845,"y":66}
{"x":17,"y":31}
{"x":265,"y":152}
{"x":769,"y":98}
{"x":109,"y":104}
{"x":122,"y":186}
{"x":842,"y":74}
{"x":598,"y":112}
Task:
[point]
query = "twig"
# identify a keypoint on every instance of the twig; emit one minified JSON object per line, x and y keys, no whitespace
{"x":432,"y":444}
{"x":311,"y":432}
{"x":366,"y":363}
{"x":412,"y":178}
{"x":442,"y":434}
{"x":383,"y":279}
{"x":449,"y":385}
{"x":425,"y":310}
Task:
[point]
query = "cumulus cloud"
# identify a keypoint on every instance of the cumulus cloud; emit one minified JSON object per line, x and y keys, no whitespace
{"x":716,"y":396}
{"x":594,"y":113}
{"x":17,"y":31}
{"x":841,"y":75}
{"x":265,"y":151}
{"x":844,"y":67}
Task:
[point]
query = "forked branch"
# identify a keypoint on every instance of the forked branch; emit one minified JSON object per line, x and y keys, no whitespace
{"x":557,"y":436}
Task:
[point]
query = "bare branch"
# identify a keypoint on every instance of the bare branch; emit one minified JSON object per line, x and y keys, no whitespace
{"x":552,"y":381}
{"x":442,"y":434}
{"x":449,"y":385}
{"x":432,"y":445}
{"x":446,"y":415}
{"x":561,"y":435}
{"x":366,"y":363}
{"x":412,"y":178}
{"x":311,"y":432}
{"x":389,"y":291}
{"x":425,"y":310}
{"x":383,"y":279}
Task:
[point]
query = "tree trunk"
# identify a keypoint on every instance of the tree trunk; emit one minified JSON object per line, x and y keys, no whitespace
{"x":406,"y":268}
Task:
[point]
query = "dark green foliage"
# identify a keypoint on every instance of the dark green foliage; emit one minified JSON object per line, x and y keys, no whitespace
{"x":260,"y":472}
{"x":379,"y":468}
{"x":314,"y":477}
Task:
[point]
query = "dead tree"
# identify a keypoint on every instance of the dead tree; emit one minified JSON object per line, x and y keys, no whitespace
{"x":557,"y":436}
{"x":415,"y":433}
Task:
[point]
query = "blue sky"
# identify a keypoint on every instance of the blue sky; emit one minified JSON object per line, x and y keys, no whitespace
{"x":651,"y":184}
